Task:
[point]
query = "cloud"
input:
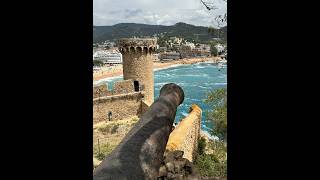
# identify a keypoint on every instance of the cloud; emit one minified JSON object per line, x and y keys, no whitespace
{"x":164,"y":12}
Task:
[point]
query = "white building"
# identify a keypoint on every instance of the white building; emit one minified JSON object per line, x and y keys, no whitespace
{"x":190,"y":44}
{"x":108,"y":57}
{"x":219,"y":48}
{"x":176,"y":40}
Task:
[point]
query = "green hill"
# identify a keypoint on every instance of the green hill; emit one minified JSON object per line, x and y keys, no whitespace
{"x":126,"y":30}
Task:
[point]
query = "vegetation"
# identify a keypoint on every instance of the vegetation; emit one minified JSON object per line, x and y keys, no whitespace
{"x":105,"y":149}
{"x":220,"y":19}
{"x":108,"y":128}
{"x":134,"y":121}
{"x":219,"y":33}
{"x":109,"y":134}
{"x":212,"y":155}
{"x":210,"y":166}
{"x":124,"y":30}
{"x":105,"y":129}
{"x":201,"y":146}
{"x":214,"y":50}
{"x":213,"y":164}
{"x":114,"y":128}
{"x":97,"y":63}
{"x":217,"y":100}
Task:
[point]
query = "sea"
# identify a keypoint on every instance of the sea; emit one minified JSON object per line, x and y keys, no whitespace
{"x":196,"y":80}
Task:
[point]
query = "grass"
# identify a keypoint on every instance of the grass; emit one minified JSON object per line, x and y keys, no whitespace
{"x":114,"y":128}
{"x":108,"y":128}
{"x":105,"y":129}
{"x":134,"y":121}
{"x":110,"y":135}
{"x":105,"y":149}
{"x":209,"y":165}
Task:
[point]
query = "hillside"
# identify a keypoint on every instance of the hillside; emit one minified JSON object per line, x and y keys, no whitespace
{"x":124,"y":30}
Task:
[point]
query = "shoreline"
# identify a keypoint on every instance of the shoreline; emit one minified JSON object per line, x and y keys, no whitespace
{"x":116,"y":71}
{"x":207,"y":135}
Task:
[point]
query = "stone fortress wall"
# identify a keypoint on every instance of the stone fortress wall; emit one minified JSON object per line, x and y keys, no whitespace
{"x":123,"y":87}
{"x":133,"y":95}
{"x":185,"y":136}
{"x":100,"y":91}
{"x":123,"y":101}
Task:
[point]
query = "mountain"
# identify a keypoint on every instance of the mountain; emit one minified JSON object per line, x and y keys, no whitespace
{"x":126,"y":30}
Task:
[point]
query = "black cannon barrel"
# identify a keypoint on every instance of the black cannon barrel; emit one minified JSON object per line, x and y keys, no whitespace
{"x":140,"y":153}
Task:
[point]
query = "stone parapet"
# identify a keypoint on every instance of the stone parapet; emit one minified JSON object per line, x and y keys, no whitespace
{"x":121,"y":106}
{"x":185,"y":136}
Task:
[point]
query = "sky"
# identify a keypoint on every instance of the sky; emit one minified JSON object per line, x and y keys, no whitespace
{"x":156,"y":12}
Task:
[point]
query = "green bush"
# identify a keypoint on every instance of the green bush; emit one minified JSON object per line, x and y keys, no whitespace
{"x":134,"y":121}
{"x":201,"y":146}
{"x":215,"y":163}
{"x":209,"y":166}
{"x":114,"y":128}
{"x":219,"y":148}
{"x":97,"y":63}
{"x":109,"y":128}
{"x":105,"y":129}
{"x":217,"y":100}
{"x":214,"y":50}
{"x":105,"y":149}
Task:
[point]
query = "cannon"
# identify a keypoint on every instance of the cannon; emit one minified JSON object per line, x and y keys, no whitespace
{"x":140,"y":153}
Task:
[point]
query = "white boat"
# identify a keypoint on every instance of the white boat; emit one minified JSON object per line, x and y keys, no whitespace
{"x":222,"y":63}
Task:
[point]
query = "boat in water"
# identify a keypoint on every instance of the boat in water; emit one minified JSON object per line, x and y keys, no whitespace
{"x":222,"y":64}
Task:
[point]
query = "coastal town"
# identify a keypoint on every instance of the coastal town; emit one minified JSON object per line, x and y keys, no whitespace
{"x":120,"y":105}
{"x":160,"y":97}
{"x":107,"y":60}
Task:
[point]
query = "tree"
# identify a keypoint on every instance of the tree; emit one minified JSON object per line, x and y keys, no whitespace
{"x":97,"y":63}
{"x":220,"y":19}
{"x":214,"y":50}
{"x":201,"y":146}
{"x":217,"y":100}
{"x":212,"y":162}
{"x":210,"y":6}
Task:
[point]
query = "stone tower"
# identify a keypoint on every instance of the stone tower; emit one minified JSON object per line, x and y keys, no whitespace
{"x":138,"y":63}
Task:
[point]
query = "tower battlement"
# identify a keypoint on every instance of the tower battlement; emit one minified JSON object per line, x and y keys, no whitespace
{"x":138,"y":63}
{"x":136,"y":45}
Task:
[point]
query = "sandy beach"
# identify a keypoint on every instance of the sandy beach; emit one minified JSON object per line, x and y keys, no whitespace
{"x":112,"y":71}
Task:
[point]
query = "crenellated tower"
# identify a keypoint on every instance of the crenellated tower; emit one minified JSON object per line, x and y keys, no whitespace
{"x":138,"y":63}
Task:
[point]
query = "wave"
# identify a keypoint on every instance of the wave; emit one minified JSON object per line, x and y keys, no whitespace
{"x":184,"y":114}
{"x":199,"y":67}
{"x":108,"y":79}
{"x":169,"y":67}
{"x":192,"y":75}
{"x":211,"y":137}
{"x":160,"y":84}
{"x":220,"y":83}
{"x":203,"y":87}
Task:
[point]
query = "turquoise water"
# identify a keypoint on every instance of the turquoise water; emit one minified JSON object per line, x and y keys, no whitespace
{"x":196,"y":81}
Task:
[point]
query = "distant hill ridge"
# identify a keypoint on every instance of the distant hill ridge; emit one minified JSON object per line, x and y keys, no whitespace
{"x":126,"y":30}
